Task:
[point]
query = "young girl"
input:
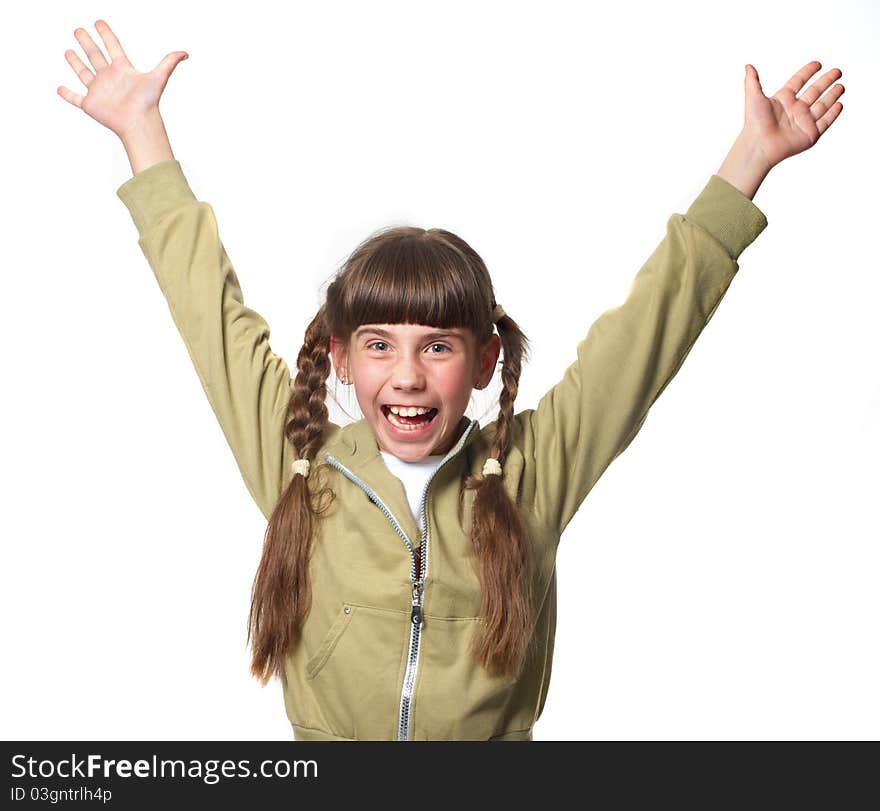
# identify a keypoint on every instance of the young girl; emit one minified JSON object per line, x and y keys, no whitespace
{"x":407,"y":585}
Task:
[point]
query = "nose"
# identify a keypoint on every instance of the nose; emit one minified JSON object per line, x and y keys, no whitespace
{"x":408,"y":375}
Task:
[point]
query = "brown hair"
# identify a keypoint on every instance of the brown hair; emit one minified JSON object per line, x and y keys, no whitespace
{"x":399,"y":275}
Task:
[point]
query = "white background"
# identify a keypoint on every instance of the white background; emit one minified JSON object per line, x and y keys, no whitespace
{"x":719,"y":582}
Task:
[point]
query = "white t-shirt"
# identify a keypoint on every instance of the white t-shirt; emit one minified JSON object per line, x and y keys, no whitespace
{"x":413,"y":475}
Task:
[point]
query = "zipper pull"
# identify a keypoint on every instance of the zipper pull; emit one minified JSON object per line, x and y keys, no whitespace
{"x":416,"y":614}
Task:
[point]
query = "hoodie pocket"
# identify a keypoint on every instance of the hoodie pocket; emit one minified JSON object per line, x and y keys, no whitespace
{"x":333,"y":635}
{"x":354,"y":678}
{"x":456,"y":698}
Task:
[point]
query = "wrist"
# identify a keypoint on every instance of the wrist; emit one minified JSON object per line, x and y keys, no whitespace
{"x":146,"y":142}
{"x":745,"y":166}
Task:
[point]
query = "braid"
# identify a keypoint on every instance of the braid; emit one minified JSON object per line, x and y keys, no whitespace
{"x":281,"y":594}
{"x":510,"y":372}
{"x":500,"y":537}
{"x":308,"y":405}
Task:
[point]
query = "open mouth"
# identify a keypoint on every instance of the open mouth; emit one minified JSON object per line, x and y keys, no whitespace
{"x":410,"y":424}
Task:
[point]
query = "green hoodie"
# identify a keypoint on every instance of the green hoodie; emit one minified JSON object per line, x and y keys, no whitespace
{"x":365,"y":667}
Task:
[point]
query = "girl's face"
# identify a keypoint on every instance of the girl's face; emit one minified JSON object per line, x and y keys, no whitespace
{"x":414,"y":365}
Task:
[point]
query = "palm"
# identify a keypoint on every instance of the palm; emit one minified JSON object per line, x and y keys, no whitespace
{"x":784,"y":124}
{"x":117,"y":95}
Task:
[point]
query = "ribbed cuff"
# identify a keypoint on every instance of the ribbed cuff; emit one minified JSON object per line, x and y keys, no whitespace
{"x":155,"y":191}
{"x":726,"y":213}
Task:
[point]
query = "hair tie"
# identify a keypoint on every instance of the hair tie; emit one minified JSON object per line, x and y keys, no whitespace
{"x":301,"y":466}
{"x":492,"y":467}
{"x":497,"y":313}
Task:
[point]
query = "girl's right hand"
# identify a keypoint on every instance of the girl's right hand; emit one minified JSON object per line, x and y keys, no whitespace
{"x":117,"y":96}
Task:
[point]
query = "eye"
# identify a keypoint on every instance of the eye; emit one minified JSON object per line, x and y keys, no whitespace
{"x":382,"y":343}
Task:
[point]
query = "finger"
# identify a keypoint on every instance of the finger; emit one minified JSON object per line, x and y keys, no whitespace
{"x":68,"y":95}
{"x":796,"y":82}
{"x":93,"y":52}
{"x":826,"y":120}
{"x":818,"y":108}
{"x":169,"y":62}
{"x":82,"y":72}
{"x":752,"y":79}
{"x":820,"y":86}
{"x":110,"y":41}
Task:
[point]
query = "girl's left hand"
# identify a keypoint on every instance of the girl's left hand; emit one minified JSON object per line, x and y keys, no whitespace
{"x":784,"y":125}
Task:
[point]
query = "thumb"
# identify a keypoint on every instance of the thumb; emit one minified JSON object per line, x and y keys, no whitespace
{"x":170,"y":62}
{"x":753,"y":83}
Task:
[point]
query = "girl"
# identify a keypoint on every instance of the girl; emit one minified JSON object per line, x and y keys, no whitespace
{"x":407,"y":583}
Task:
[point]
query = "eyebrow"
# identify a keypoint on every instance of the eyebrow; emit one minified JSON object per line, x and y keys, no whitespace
{"x":386,"y":334}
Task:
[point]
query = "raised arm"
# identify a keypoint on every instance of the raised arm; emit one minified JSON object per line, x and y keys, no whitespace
{"x":633,"y":351}
{"x":247,"y":385}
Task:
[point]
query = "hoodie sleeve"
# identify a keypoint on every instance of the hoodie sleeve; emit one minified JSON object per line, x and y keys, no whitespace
{"x":632,"y":351}
{"x":247,"y":385}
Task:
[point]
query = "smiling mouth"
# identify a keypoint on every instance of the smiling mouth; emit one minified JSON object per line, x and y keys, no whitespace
{"x":409,"y":423}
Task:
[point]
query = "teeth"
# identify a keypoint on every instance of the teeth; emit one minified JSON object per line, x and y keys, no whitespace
{"x":412,"y":411}
{"x":395,"y":420}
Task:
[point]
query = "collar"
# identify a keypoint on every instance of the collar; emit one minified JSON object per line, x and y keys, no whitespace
{"x":355,"y":447}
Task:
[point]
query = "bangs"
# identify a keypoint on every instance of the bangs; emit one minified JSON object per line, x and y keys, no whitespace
{"x":409,"y":276}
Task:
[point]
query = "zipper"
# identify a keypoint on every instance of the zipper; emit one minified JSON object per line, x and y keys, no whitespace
{"x":416,"y":613}
{"x":418,"y":573}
